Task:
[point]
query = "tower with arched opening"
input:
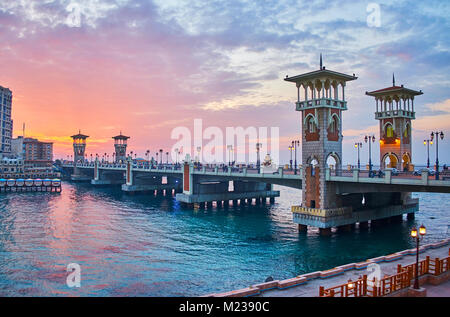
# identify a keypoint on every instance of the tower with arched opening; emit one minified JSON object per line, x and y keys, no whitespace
{"x":395,"y":112}
{"x":120,"y":147}
{"x":79,"y":147}
{"x":321,"y":100}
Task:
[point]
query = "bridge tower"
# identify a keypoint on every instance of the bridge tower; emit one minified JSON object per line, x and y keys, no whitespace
{"x":79,"y":146}
{"x":120,"y":146}
{"x":321,"y":100}
{"x":395,"y":111}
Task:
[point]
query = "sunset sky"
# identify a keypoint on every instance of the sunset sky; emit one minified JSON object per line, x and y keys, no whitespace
{"x":147,"y":67}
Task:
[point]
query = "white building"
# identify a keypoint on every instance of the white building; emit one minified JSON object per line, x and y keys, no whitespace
{"x":6,"y":124}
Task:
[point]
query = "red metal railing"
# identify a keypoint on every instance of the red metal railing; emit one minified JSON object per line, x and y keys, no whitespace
{"x":388,"y":284}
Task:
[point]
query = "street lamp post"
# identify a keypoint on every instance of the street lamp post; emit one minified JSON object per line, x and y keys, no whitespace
{"x":161,"y":156}
{"x":358,"y":145}
{"x":441,"y":135}
{"x":167,"y":158}
{"x":230,"y":148}
{"x":295,"y":144}
{"x":418,"y":237}
{"x":147,"y":155}
{"x":199,"y":148}
{"x":258,"y":161}
{"x":428,"y":143}
{"x":367,"y":139}
{"x":290,"y":147}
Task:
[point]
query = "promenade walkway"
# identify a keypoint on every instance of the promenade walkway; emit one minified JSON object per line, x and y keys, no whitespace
{"x":308,"y":285}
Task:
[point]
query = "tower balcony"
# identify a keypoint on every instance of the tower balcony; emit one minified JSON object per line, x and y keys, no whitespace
{"x":321,"y":103}
{"x":395,"y":114}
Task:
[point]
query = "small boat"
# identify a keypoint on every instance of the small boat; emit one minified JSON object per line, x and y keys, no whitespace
{"x":29,"y":182}
{"x":38,"y":182}
{"x":56,"y":182}
{"x":2,"y":182}
{"x":20,"y":182}
{"x":11,"y":182}
{"x":47,"y":182}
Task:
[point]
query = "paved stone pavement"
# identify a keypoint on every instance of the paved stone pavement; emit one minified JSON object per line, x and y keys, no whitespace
{"x":311,"y":288}
{"x":442,"y":290}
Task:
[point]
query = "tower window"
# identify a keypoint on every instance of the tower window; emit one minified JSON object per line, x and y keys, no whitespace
{"x":389,"y":131}
{"x":311,"y":125}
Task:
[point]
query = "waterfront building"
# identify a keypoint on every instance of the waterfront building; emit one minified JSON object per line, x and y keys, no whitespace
{"x":395,"y":111}
{"x":11,"y":166}
{"x":6,"y":123}
{"x":37,"y":155}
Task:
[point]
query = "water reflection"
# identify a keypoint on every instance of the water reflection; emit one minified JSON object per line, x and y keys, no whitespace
{"x":148,"y":245}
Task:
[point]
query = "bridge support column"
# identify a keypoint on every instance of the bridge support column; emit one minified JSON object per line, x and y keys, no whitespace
{"x":302,"y":228}
{"x":363,"y":225}
{"x":272,"y":200}
{"x":411,"y":216}
{"x":325,"y":231}
{"x":345,"y":228}
{"x":397,"y":219}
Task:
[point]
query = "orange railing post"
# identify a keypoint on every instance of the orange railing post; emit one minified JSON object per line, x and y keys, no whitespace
{"x":332,"y":293}
{"x":437,"y":266}
{"x":321,"y":291}
{"x":427,"y":265}
{"x":364,"y":288}
{"x":399,"y":268}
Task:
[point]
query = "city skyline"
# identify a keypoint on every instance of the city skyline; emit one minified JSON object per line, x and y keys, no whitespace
{"x":146,"y":68}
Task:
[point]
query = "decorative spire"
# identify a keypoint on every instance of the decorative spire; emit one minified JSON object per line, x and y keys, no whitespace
{"x":320,"y":60}
{"x":393,"y":80}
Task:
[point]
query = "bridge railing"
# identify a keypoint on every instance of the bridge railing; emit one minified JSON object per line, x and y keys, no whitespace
{"x":388,"y":284}
{"x":378,"y":173}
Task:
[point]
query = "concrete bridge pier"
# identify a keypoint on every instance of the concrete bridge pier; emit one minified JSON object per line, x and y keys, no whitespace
{"x":325,"y":231}
{"x":207,"y":188}
{"x":104,"y":177}
{"x":363,"y":225}
{"x":140,"y":181}
{"x":81,"y":174}
{"x":302,"y":228}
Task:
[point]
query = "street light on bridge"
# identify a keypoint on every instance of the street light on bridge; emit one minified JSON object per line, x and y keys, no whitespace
{"x":258,"y":161}
{"x":428,"y":143}
{"x":295,"y":143}
{"x":367,"y":139}
{"x":358,"y":145}
{"x":230,"y":149}
{"x":441,"y":135}
{"x":290,"y":147}
{"x":418,"y":237}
